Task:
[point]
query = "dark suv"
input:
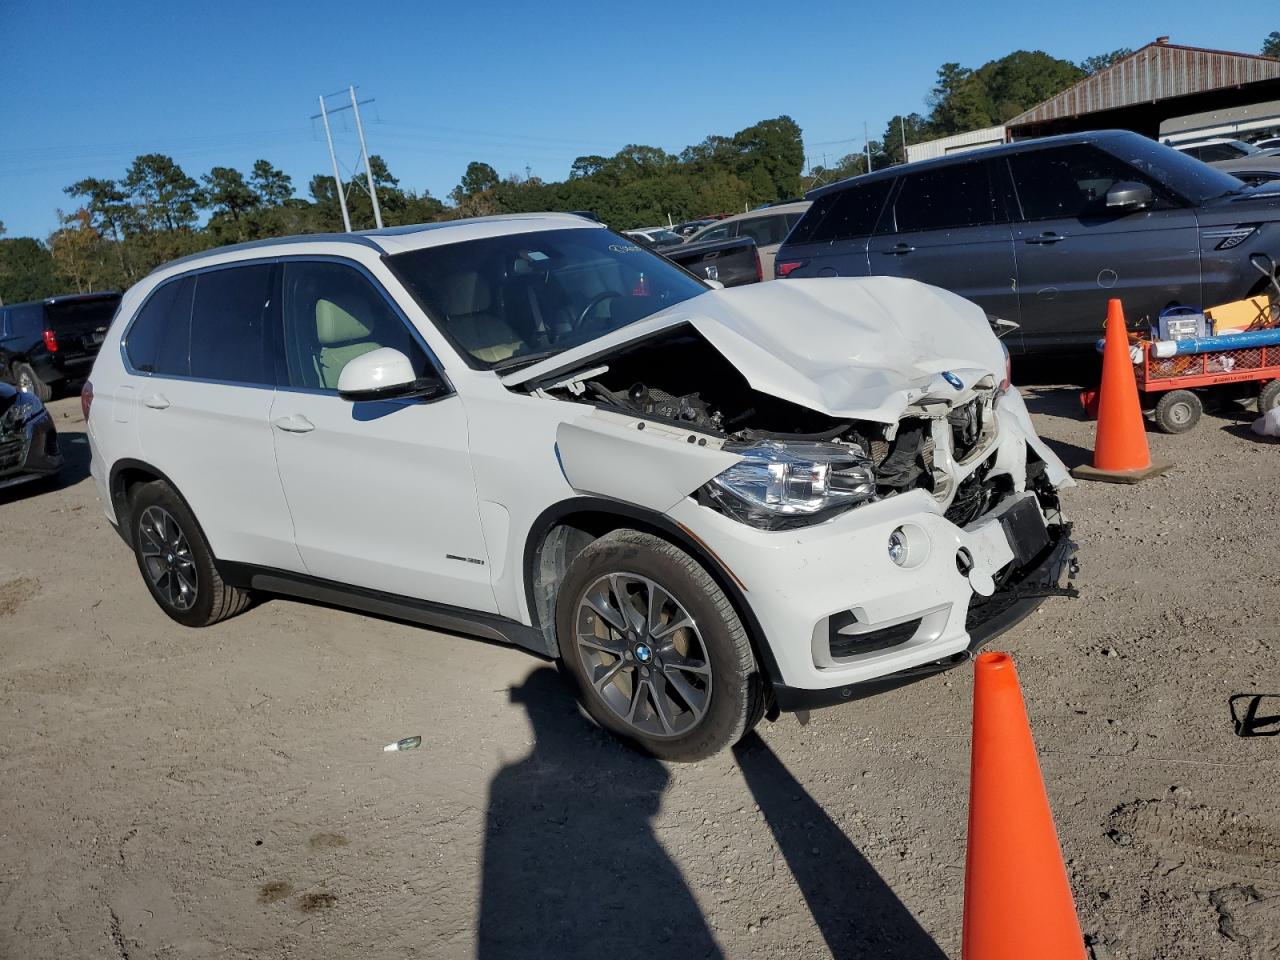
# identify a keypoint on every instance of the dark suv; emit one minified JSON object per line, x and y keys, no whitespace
{"x":45,"y":342}
{"x":1042,"y":232}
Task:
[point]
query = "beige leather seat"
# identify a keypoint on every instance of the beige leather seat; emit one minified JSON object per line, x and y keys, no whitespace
{"x":342,"y":338}
{"x":474,"y":322}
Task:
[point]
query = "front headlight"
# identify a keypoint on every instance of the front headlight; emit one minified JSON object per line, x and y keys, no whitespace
{"x":779,"y":485}
{"x":25,"y":407}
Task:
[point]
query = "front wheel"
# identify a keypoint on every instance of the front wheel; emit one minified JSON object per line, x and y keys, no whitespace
{"x":1178,"y":411}
{"x":1269,"y":396}
{"x":656,"y":649}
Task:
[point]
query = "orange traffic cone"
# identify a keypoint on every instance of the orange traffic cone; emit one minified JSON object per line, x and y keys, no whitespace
{"x":1120,"y":453}
{"x":1017,"y":901}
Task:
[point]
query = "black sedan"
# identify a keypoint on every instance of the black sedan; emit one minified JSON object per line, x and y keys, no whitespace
{"x":28,"y":440}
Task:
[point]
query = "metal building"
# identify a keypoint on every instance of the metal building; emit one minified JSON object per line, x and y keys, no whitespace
{"x":1188,"y":90}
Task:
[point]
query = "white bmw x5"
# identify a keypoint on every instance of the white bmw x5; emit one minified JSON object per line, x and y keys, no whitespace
{"x":707,"y":504}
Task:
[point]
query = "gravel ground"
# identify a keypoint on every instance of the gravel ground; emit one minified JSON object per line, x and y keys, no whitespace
{"x":178,"y":793}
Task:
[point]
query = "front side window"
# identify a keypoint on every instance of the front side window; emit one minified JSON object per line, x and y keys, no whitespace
{"x":1069,"y":181}
{"x":1220,"y":151}
{"x":159,"y":339}
{"x":722,"y":232}
{"x":524,"y":296}
{"x":953,"y":196}
{"x":333,"y":314}
{"x":234,"y":325}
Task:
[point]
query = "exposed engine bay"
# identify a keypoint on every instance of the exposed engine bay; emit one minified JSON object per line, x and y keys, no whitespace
{"x":679,"y":378}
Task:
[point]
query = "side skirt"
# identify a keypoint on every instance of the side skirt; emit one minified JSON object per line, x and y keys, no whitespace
{"x":472,"y":623}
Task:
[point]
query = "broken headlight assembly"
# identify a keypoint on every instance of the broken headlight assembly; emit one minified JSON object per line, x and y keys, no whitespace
{"x":25,"y":408}
{"x":778,"y":485}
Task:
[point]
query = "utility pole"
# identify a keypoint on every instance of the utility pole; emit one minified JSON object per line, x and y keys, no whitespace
{"x":368,"y":171}
{"x":333,"y":158}
{"x":868,"y":142}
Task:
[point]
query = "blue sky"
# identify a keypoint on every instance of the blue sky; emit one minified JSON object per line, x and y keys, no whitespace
{"x":88,"y":85}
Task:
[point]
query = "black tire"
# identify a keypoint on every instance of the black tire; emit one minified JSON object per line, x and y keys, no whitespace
{"x":1178,"y":411}
{"x":1269,"y":396}
{"x":24,"y":375}
{"x":210,"y":599}
{"x":735,"y":692}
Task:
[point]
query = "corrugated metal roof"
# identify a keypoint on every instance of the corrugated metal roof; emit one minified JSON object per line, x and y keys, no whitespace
{"x":1156,"y":72}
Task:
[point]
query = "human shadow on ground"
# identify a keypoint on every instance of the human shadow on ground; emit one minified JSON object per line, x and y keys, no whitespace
{"x":572,"y":866}
{"x":858,"y":913}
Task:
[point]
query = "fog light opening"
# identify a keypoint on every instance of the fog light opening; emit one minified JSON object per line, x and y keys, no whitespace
{"x":899,"y":549}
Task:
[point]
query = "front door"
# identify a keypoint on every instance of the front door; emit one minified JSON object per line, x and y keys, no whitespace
{"x":1074,"y":254}
{"x":381,"y":492}
{"x":944,"y":227}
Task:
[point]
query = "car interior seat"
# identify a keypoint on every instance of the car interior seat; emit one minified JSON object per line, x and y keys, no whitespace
{"x":473,"y":321}
{"x":342,"y":337}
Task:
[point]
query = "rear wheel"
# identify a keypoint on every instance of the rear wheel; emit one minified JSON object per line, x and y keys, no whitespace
{"x":1269,"y":396}
{"x":175,"y":560}
{"x":25,"y":376}
{"x":1178,"y":411}
{"x":656,"y":649}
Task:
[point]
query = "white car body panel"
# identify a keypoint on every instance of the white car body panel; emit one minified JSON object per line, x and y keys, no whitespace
{"x":384,"y":502}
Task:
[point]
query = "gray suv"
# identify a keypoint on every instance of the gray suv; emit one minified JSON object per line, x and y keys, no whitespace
{"x":1043,"y":232}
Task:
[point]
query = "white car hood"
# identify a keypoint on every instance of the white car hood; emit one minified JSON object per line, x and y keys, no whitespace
{"x":862,"y":348}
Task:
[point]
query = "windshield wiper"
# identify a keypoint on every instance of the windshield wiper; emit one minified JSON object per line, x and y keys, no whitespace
{"x":523,"y":360}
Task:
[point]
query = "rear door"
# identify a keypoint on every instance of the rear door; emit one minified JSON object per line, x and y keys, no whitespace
{"x":205,"y":348}
{"x":944,"y":226}
{"x":1074,"y":254}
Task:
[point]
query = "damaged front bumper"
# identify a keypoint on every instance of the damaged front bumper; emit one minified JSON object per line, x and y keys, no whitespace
{"x":1050,"y":576}
{"x":30,"y":452}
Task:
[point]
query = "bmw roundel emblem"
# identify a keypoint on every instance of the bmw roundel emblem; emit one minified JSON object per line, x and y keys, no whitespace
{"x":952,"y":379}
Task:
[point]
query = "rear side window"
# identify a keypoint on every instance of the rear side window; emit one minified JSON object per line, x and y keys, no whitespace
{"x":1219,"y":151}
{"x":159,"y":339}
{"x":27,"y":321}
{"x":235,"y":325}
{"x":1070,"y":181}
{"x":722,"y":232}
{"x":954,"y":196}
{"x":843,"y":214}
{"x":764,"y":230}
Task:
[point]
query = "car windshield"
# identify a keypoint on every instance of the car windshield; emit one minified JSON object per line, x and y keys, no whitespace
{"x":1189,"y":178}
{"x":525,"y":296}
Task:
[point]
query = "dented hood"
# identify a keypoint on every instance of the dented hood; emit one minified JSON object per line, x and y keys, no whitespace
{"x":863,"y":348}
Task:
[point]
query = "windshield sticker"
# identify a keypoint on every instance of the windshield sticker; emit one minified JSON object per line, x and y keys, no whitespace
{"x":624,"y":248}
{"x":537,"y":255}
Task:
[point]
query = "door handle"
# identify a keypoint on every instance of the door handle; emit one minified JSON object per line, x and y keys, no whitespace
{"x":294,"y":424}
{"x":1046,"y":237}
{"x":155,"y":401}
{"x":898,"y":249}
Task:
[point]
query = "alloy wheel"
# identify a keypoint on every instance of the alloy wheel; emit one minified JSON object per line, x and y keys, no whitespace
{"x":166,"y":555}
{"x":643,"y":654}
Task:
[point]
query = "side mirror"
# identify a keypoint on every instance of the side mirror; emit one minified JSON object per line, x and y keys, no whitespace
{"x":385,"y":374}
{"x":1129,"y":196}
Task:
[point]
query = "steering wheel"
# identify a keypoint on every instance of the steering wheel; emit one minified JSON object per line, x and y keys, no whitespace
{"x":598,"y":299}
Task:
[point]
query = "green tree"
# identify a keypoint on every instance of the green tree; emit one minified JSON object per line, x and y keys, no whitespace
{"x":26,"y":270}
{"x":999,"y":90}
{"x":1101,"y":61}
{"x":274,"y":187}
{"x":164,"y":197}
{"x":916,"y":128}
{"x":226,"y":193}
{"x":1271,"y":45}
{"x":478,"y":178}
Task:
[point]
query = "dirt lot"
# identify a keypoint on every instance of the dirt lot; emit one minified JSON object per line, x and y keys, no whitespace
{"x":175,"y":793}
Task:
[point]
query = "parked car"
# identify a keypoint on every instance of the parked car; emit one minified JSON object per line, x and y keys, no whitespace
{"x":1269,"y":143}
{"x":1043,"y":232}
{"x":531,"y":429}
{"x":729,"y":263}
{"x":767,"y":226}
{"x":690,"y":227}
{"x":46,"y":342}
{"x":28,"y":440}
{"x":655,"y":237}
{"x":1216,"y":149}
